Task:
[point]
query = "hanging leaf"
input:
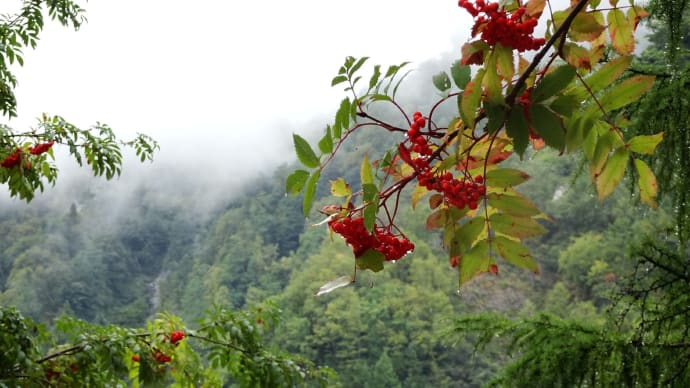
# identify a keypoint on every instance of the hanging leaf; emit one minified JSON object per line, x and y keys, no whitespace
{"x":608,"y":73}
{"x":304,"y":152}
{"x":435,"y":201}
{"x":518,"y":130}
{"x":621,"y":32}
{"x":548,"y":125}
{"x":461,"y":74}
{"x":505,"y":62}
{"x":646,"y":182}
{"x":613,"y":172}
{"x":338,"y":79}
{"x":464,"y":236}
{"x":441,"y":81}
{"x":326,"y":142}
{"x":473,"y":53}
{"x":505,"y":177}
{"x":577,"y":56}
{"x":295,"y":181}
{"x":553,"y":83}
{"x":334,"y":284}
{"x":514,"y":204}
{"x":645,"y":144}
{"x":365,"y":173}
{"x":309,"y":192}
{"x":371,"y":259}
{"x":475,"y":262}
{"x":534,"y":8}
{"x":417,"y":193}
{"x":371,"y":201}
{"x":626,"y":92}
{"x":340,"y":188}
{"x":585,"y":27}
{"x":519,"y":227}
{"x":515,"y":253}
{"x":471,"y":97}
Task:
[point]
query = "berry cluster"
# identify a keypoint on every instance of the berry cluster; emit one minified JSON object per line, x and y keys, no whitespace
{"x":12,"y":160}
{"x":41,"y":148}
{"x":497,"y":26}
{"x":455,"y":192}
{"x":382,"y":240}
{"x":419,"y":143}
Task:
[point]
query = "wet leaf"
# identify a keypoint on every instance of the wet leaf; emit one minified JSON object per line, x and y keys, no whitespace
{"x":334,"y":284}
{"x":646,"y":182}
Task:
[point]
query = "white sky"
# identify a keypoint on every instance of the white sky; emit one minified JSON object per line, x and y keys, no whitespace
{"x":248,"y":72}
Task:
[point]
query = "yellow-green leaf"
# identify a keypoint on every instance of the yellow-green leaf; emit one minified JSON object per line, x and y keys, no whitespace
{"x":613,"y":172}
{"x":626,"y":92}
{"x":514,"y":204}
{"x":520,"y":227}
{"x":645,"y":144}
{"x":340,"y":188}
{"x":466,"y":235}
{"x":475,"y":262}
{"x":365,"y":173}
{"x":505,"y":63}
{"x":608,"y":73}
{"x":471,"y":97}
{"x":646,"y":182}
{"x":309,"y":191}
{"x":585,"y":27}
{"x":418,"y":192}
{"x":505,"y":177}
{"x":515,"y":253}
{"x":621,"y":32}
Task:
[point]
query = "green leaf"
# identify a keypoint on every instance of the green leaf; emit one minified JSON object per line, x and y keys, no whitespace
{"x":496,"y":113}
{"x":505,"y":177}
{"x":613,"y":172}
{"x":461,"y":74}
{"x":520,"y":227}
{"x":365,"y":173}
{"x":548,"y":126}
{"x":371,"y":259}
{"x":645,"y":144}
{"x":326,"y":142}
{"x":475,"y":262}
{"x":309,"y":192}
{"x":515,"y":253}
{"x":304,"y":152}
{"x":518,"y":130}
{"x":646,"y":182}
{"x":338,"y":79}
{"x":465,"y":236}
{"x":626,"y":92}
{"x":564,"y":105}
{"x":295,"y":181}
{"x":553,"y":83}
{"x":340,"y":188}
{"x":375,"y":77}
{"x":471,"y":97}
{"x":371,"y":202}
{"x":608,"y":73}
{"x":621,"y":32}
{"x":342,"y":117}
{"x":357,"y":65}
{"x":514,"y":204}
{"x":505,"y":63}
{"x":441,"y":81}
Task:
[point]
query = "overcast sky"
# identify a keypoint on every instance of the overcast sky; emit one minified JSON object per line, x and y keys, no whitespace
{"x":249,"y":72}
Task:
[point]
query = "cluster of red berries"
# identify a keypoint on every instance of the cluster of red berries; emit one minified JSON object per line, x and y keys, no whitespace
{"x":496,"y":26}
{"x":175,"y":337}
{"x":455,"y":192}
{"x":419,"y":143}
{"x":382,"y":240}
{"x":15,"y":158}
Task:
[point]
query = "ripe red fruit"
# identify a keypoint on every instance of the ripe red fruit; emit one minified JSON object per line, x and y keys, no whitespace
{"x":162,"y":358}
{"x":135,"y":358}
{"x":12,"y":160}
{"x":176,"y":336}
{"x":41,"y":148}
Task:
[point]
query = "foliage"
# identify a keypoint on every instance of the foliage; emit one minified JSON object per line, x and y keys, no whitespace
{"x":27,"y":157}
{"x":561,"y":98}
{"x":93,"y":355}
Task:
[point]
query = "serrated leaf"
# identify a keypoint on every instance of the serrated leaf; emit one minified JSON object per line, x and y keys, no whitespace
{"x":475,"y":262}
{"x":585,"y":27}
{"x":375,"y":77}
{"x":342,"y":116}
{"x":340,"y":188}
{"x":564,"y":105}
{"x":515,"y":253}
{"x":335,"y":284}
{"x":626,"y":92}
{"x":646,"y":182}
{"x":295,"y":181}
{"x":514,"y":204}
{"x":645,"y":144}
{"x":520,"y":227}
{"x":518,"y":130}
{"x":553,"y":83}
{"x":577,"y":56}
{"x":304,"y":152}
{"x":505,"y":177}
{"x":309,"y":192}
{"x":613,"y":172}
{"x":326,"y":142}
{"x":548,"y":125}
{"x":464,"y":236}
{"x":505,"y":63}
{"x":371,"y":260}
{"x":461,"y":74}
{"x":496,"y":113}
{"x":608,"y":73}
{"x":357,"y":65}
{"x":604,"y":145}
{"x":365,"y":173}
{"x":471,"y":97}
{"x":441,"y":81}
{"x":371,"y":201}
{"x":621,"y":32}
